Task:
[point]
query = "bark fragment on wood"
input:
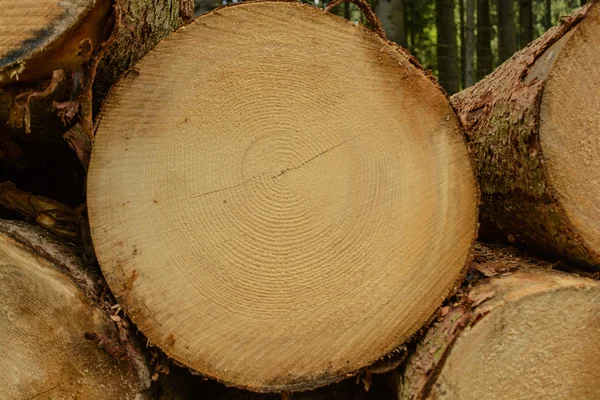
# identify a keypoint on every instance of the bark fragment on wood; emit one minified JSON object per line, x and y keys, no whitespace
{"x":508,"y":119}
{"x":41,"y":37}
{"x":57,"y":340}
{"x":530,"y":333}
{"x":42,"y":154}
{"x":306,"y":349}
{"x":56,"y":217}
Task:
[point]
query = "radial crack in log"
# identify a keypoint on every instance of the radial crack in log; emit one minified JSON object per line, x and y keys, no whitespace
{"x":289,"y":283}
{"x":534,"y":127}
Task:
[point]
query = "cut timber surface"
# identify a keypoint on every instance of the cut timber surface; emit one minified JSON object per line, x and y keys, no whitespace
{"x":530,"y":335}
{"x":534,"y":126}
{"x":40,"y":36}
{"x":270,"y":227}
{"x":53,"y":337}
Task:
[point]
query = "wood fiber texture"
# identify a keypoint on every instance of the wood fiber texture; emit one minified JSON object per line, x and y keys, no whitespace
{"x":524,"y":334}
{"x":38,"y":37}
{"x":533,"y":125}
{"x":270,"y":227}
{"x":53,"y":335}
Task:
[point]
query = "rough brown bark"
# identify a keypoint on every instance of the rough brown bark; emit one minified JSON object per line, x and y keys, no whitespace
{"x":34,"y":160}
{"x":60,"y":336}
{"x":501,"y":115}
{"x":521,"y":331}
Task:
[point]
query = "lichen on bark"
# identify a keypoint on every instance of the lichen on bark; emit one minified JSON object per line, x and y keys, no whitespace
{"x":501,"y":117}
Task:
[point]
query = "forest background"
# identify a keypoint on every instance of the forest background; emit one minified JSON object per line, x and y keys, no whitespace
{"x":460,"y":41}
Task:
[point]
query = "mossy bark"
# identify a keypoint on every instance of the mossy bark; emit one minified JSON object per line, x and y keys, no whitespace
{"x":501,"y":117}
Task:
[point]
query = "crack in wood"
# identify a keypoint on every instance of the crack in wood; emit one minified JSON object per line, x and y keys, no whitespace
{"x":274,"y":176}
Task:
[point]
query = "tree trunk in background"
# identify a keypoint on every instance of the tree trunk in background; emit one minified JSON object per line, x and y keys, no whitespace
{"x":548,"y":15}
{"x":412,"y":29}
{"x":470,"y":44}
{"x":447,"y":52}
{"x":486,"y":339}
{"x":203,"y":6}
{"x":485,"y":62}
{"x":347,"y":11}
{"x":391,"y":14}
{"x":507,"y":32}
{"x":463,"y":55}
{"x":538,"y":166}
{"x":525,"y":22}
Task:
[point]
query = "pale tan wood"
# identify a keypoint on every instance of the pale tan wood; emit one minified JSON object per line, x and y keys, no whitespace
{"x":533,"y":126}
{"x":529,"y":334}
{"x":40,"y":36}
{"x":278,"y":197}
{"x":52,"y":334}
{"x":570,"y":129}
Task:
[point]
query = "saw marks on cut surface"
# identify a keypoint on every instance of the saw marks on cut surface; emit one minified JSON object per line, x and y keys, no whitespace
{"x":278,"y":197}
{"x":570,"y":128}
{"x":537,"y":339}
{"x":44,"y":321}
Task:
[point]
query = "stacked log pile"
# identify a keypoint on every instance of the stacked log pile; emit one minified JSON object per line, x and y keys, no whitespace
{"x":230,"y":216}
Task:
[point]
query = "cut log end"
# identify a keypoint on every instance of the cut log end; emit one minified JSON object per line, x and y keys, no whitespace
{"x":533,"y":126}
{"x":531,"y":334}
{"x":570,"y":129}
{"x":54,"y":340}
{"x":270,"y":227}
{"x":40,"y":37}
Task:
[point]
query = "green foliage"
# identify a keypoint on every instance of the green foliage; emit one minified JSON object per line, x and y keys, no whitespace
{"x":422,"y":31}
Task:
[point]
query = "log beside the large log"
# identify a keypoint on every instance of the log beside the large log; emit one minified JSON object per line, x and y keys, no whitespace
{"x":41,"y":161}
{"x":56,"y":340}
{"x":39,"y":37}
{"x":529,"y":332}
{"x":534,"y":125}
{"x":270,"y":227}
